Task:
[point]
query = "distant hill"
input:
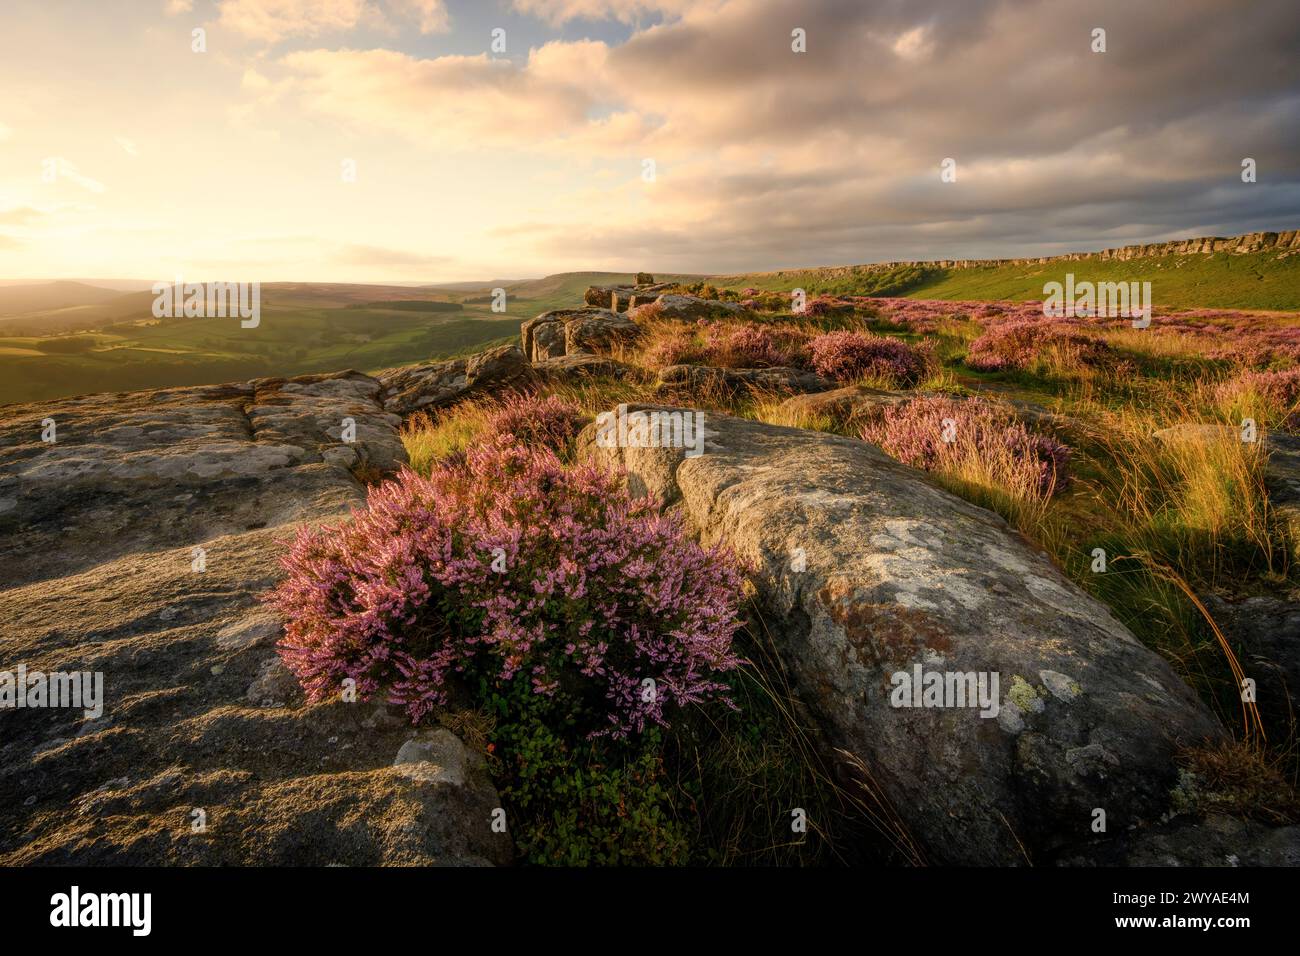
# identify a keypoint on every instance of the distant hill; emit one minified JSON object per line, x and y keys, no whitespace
{"x":470,"y":286}
{"x":118,"y":345}
{"x":1255,"y":271}
{"x":67,"y":337}
{"x":34,"y":297}
{"x":569,"y":286}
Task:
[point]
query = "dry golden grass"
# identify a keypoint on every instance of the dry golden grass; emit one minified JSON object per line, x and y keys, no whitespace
{"x":431,"y":437}
{"x":1237,"y":778}
{"x":1196,"y":496}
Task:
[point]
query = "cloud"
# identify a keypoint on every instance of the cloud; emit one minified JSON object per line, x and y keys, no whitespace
{"x":387,"y":259}
{"x":461,"y":102}
{"x":627,"y":11}
{"x":20,"y":215}
{"x":176,"y":7}
{"x":271,"y":21}
{"x":128,"y":146}
{"x":57,"y":168}
{"x":835,"y":152}
{"x":431,"y":15}
{"x":765,"y":157}
{"x":913,"y":44}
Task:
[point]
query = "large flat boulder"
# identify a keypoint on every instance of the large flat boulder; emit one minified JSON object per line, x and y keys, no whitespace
{"x":1216,"y":840}
{"x":867,"y":571}
{"x":137,"y":547}
{"x":169,"y":467}
{"x":848,"y":405}
{"x":599,"y":334}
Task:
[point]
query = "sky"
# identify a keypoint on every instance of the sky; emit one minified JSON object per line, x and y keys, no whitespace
{"x":389,"y":141}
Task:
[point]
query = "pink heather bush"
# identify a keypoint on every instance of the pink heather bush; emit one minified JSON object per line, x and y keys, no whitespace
{"x":675,"y":345}
{"x":986,"y":440}
{"x":599,"y":591}
{"x":1258,"y":339}
{"x":850,"y":356}
{"x":1020,"y":343}
{"x":749,"y":345}
{"x":729,"y":345}
{"x":551,"y":421}
{"x":1281,"y":388}
{"x":824,"y":305}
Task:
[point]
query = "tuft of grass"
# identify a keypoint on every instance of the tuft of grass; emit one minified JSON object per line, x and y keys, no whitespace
{"x":1270,"y":399}
{"x":739,"y":774}
{"x":774,"y":410}
{"x":1239,"y":779}
{"x":431,"y":438}
{"x":1195,"y":498}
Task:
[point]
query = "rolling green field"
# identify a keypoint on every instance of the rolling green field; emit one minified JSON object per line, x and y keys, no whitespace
{"x":204,"y":351}
{"x":1251,"y":281}
{"x":117,"y":344}
{"x":86,"y":340}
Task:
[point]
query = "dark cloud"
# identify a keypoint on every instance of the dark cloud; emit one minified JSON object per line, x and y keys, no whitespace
{"x":770,"y":157}
{"x":1057,"y":147}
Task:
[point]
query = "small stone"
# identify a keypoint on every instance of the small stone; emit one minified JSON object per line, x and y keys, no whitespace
{"x":259,"y":627}
{"x":1060,"y":686}
{"x":342,"y":456}
{"x":275,"y":684}
{"x":436,"y":757}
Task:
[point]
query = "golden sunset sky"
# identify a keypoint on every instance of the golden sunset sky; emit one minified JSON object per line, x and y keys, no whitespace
{"x":475,"y":164}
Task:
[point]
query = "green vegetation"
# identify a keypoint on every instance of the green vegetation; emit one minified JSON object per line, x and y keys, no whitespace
{"x":412,"y":305}
{"x":843,"y":280}
{"x":1252,"y":281}
{"x":154,"y":353}
{"x":1178,"y":520}
{"x":117,"y":345}
{"x":1261,"y":280}
{"x":96,"y":340}
{"x":714,"y":789}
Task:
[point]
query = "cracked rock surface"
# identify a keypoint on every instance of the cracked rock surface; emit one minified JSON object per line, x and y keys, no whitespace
{"x":205,"y":751}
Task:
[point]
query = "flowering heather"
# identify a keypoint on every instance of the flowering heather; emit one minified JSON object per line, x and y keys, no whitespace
{"x":1251,"y":338}
{"x":549,"y":421}
{"x":850,"y":356}
{"x":511,"y":566}
{"x":986,"y":440}
{"x":729,"y":345}
{"x":749,"y":345}
{"x":824,"y":305}
{"x":1022,"y":343}
{"x":1281,"y":388}
{"x":924,"y":316}
{"x":1271,"y":396}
